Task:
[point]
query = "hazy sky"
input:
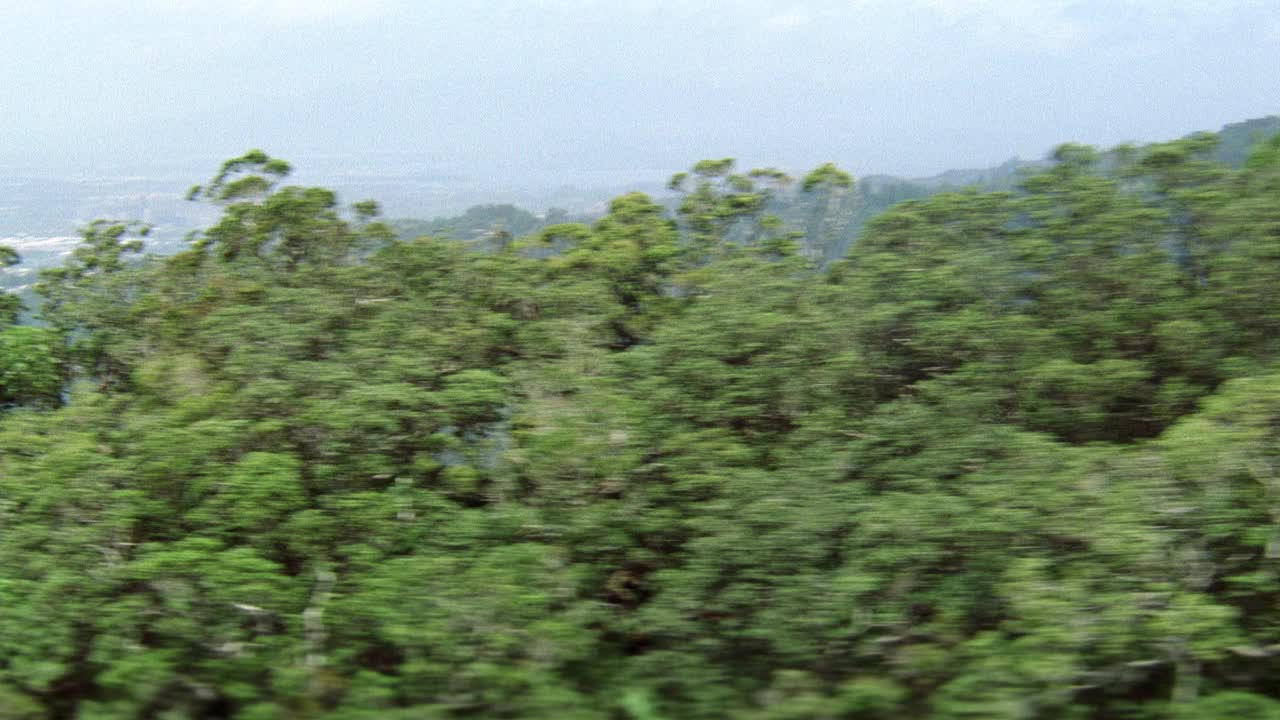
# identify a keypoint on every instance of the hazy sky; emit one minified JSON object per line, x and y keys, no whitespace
{"x":561,"y":86}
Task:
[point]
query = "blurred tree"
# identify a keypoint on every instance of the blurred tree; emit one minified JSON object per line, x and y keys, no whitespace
{"x":1015,"y":456}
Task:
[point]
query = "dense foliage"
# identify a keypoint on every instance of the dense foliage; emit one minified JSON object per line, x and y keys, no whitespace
{"x":486,"y":225}
{"x":1017,"y":455}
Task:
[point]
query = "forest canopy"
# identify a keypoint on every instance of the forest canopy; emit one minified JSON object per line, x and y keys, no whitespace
{"x":1014,"y":454}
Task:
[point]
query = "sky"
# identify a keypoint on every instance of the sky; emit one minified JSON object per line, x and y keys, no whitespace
{"x":572,"y":89}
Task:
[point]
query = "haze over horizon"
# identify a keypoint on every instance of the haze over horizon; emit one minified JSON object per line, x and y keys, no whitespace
{"x":539,"y":90}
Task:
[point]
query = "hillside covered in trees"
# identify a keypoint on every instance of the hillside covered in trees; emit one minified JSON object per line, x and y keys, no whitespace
{"x":1016,"y":454}
{"x":829,"y":237}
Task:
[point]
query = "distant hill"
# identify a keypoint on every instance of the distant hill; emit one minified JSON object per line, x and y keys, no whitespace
{"x":39,"y":213}
{"x":481,"y":222}
{"x":481,"y":225}
{"x":880,"y":192}
{"x":1236,"y":140}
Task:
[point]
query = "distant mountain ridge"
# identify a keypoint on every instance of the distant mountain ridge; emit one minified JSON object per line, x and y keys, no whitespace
{"x":1234,"y":143}
{"x":39,"y":216}
{"x":1237,"y":139}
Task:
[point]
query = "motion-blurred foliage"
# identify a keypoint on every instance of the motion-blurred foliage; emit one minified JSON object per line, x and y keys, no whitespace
{"x":1017,"y":455}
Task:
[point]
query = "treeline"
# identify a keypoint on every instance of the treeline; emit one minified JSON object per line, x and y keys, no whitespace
{"x":827,"y":239}
{"x":1017,"y":455}
{"x":482,"y":225}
